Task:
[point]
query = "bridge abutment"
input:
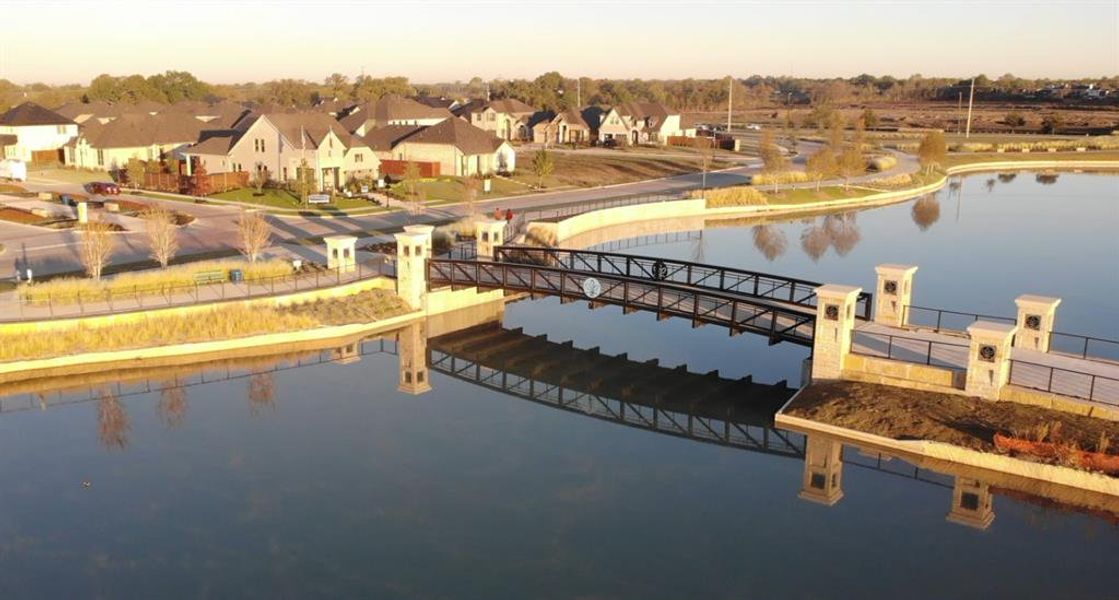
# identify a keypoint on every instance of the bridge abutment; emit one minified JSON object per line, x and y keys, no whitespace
{"x":341,"y":252}
{"x":1036,"y":315}
{"x":972,"y":503}
{"x":988,"y":361}
{"x":895,"y":294}
{"x":835,"y":321}
{"x":412,"y":349}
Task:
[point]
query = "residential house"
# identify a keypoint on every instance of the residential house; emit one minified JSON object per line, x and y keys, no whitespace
{"x":567,"y":127}
{"x":34,"y":134}
{"x":506,"y":118}
{"x":391,"y":110}
{"x":458,"y":147}
{"x":281,"y":142}
{"x":110,"y":145}
{"x":641,"y":123}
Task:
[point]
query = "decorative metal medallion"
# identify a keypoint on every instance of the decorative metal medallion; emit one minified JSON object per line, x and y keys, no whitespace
{"x":660,"y":270}
{"x":890,"y":287}
{"x":1033,"y":322}
{"x":987,"y":353}
{"x":831,"y":312}
{"x":592,"y":287}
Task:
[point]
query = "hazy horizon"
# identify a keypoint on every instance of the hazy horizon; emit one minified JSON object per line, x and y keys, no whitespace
{"x":438,"y":42}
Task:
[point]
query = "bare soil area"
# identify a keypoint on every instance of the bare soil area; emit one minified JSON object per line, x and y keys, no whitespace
{"x":904,"y":414}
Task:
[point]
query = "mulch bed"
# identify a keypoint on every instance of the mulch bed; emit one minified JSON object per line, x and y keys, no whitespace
{"x":905,"y":414}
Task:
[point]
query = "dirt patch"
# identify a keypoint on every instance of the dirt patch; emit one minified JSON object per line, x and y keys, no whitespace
{"x":904,"y":414}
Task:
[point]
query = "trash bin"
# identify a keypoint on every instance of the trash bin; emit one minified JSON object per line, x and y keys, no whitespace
{"x":236,"y":275}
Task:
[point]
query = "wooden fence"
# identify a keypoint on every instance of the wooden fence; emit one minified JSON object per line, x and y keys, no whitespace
{"x":397,"y":168}
{"x":211,"y":183}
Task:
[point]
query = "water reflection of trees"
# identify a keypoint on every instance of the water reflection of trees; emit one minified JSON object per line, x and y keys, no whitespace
{"x":172,"y":403}
{"x":1006,"y":177}
{"x":836,"y":231}
{"x":990,"y":185}
{"x":262,"y":392}
{"x":770,"y":241}
{"x":1046,"y":178}
{"x":112,"y":420}
{"x":926,"y":211}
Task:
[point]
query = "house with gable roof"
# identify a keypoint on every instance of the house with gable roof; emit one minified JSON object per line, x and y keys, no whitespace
{"x":641,"y":123}
{"x":31,"y":133}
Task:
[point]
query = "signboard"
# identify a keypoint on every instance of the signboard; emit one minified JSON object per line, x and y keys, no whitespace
{"x":318,"y":199}
{"x":365,"y":189}
{"x":592,"y":287}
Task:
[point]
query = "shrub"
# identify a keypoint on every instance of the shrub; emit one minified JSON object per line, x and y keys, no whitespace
{"x":780,"y":177}
{"x":893,"y":181}
{"x":742,"y":195}
{"x":882,"y":163}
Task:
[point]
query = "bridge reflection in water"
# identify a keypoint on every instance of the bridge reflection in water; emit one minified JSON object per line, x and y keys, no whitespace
{"x":736,"y":413}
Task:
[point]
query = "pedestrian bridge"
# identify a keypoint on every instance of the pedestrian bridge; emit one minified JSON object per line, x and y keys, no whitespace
{"x":781,"y":308}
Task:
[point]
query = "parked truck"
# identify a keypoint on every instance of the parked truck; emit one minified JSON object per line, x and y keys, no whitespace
{"x":13,"y":170}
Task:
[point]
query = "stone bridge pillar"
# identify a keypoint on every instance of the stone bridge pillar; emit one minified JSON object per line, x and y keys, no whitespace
{"x":1036,"y":315}
{"x":988,"y":361}
{"x":412,"y":252}
{"x":347,"y":354}
{"x":972,"y":503}
{"x":823,"y":471}
{"x":894,"y":294}
{"x":488,"y":234}
{"x":341,"y":253}
{"x":428,"y":230}
{"x":835,"y":320}
{"x":411,"y":349}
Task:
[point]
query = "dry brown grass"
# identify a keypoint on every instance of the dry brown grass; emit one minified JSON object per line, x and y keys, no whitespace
{"x":71,"y":290}
{"x":742,"y":195}
{"x":781,"y":177}
{"x":224,"y":322}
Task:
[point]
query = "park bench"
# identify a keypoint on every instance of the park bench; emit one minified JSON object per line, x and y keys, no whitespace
{"x":214,"y":276}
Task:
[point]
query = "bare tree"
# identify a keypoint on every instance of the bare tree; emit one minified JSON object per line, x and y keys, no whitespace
{"x":262,"y":392}
{"x":821,"y":165}
{"x":470,"y":195}
{"x":261,"y":179}
{"x":815,"y":241}
{"x":97,"y":243}
{"x":135,"y":170}
{"x":255,"y":234}
{"x":932,"y":151}
{"x":112,"y":420}
{"x":163,"y":234}
{"x":773,"y":160}
{"x":172,"y":403}
{"x":770,"y":240}
{"x":543,"y":165}
{"x":926,"y":211}
{"x":852,"y":163}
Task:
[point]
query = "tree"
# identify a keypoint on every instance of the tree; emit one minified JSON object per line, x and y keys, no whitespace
{"x":1050,"y":123}
{"x":773,"y":160}
{"x":255,"y":234}
{"x":852,"y":163}
{"x":304,"y":182}
{"x":835,"y":132}
{"x":163,"y":234}
{"x":926,"y":211}
{"x":411,"y":180}
{"x":135,"y":171}
{"x":1014,"y":119}
{"x":932,"y":151}
{"x":770,"y":240}
{"x":337,"y":83}
{"x":97,"y":244}
{"x":821,"y":165}
{"x":260,"y":179}
{"x":543,"y":164}
{"x":470,"y":195}
{"x":869,"y":118}
{"x":113,"y":423}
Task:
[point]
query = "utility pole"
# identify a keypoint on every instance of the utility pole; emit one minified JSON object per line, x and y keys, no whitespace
{"x":970,"y":100}
{"x":730,"y":99}
{"x":959,"y":110}
{"x":578,"y":92}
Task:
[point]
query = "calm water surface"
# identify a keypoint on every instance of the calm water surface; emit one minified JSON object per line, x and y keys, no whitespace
{"x":327,"y":481}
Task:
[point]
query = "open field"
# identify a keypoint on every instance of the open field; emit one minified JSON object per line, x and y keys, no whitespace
{"x":69,"y":175}
{"x":450,"y":189}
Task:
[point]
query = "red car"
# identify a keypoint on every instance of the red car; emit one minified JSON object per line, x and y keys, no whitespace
{"x":102,"y":187}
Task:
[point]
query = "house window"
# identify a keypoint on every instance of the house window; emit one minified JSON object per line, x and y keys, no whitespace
{"x":285,"y":170}
{"x":100,"y":157}
{"x":358,"y":158}
{"x":491,"y":116}
{"x":62,"y":129}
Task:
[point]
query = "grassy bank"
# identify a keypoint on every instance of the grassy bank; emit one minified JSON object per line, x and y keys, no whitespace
{"x":71,"y":290}
{"x":223,"y":322}
{"x":589,"y":170}
{"x":957,"y":159}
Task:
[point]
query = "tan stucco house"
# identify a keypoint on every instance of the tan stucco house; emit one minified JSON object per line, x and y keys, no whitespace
{"x":460,"y":148}
{"x":507,"y":118}
{"x":281,"y":142}
{"x":109,"y":146}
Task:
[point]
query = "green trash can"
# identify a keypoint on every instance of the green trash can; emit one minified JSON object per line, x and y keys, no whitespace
{"x":236,"y":275}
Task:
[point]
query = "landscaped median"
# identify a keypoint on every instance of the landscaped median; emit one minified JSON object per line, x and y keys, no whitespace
{"x":963,"y":430}
{"x":213,"y":328}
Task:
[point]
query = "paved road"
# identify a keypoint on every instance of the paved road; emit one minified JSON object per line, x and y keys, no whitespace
{"x":48,"y":252}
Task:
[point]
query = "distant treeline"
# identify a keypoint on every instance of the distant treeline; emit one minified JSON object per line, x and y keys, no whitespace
{"x":548,"y":91}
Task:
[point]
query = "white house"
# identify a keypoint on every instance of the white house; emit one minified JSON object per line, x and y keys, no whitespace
{"x":32,"y":133}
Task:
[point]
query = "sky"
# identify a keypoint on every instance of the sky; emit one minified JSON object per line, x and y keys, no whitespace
{"x":70,"y":41}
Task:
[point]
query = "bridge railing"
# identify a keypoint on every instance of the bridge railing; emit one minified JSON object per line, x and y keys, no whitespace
{"x":728,"y":280}
{"x":1066,"y":382}
{"x":933,"y":353}
{"x":940,"y":319}
{"x":522,"y":218}
{"x":1084,"y":346}
{"x":701,"y":306}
